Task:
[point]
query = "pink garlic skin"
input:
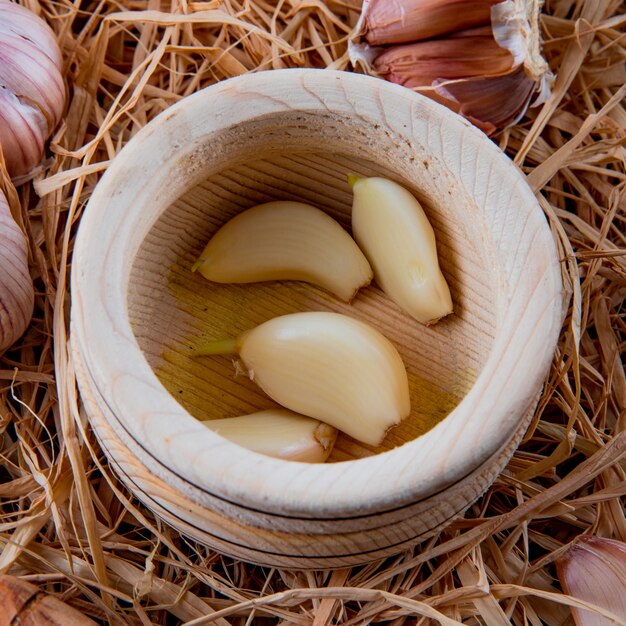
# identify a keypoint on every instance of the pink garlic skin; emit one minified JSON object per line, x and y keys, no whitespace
{"x":32,"y":91}
{"x":593,"y":569}
{"x":480,"y":58}
{"x":17,"y":295}
{"x":421,"y":63}
{"x":403,"y":21}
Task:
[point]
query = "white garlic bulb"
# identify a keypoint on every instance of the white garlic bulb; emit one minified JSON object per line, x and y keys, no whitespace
{"x":16,"y":287}
{"x":32,"y":92}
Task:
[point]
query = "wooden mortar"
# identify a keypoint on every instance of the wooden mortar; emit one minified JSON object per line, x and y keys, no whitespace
{"x":138,"y":313}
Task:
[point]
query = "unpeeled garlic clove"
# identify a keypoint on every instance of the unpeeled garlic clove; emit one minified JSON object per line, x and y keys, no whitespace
{"x":286,"y":240}
{"x":489,"y":102}
{"x":401,"y":21}
{"x":593,"y":569}
{"x":445,"y":70}
{"x":392,"y":229}
{"x":16,"y":286}
{"x":327,"y":366}
{"x":422,"y":63}
{"x":279,"y":433}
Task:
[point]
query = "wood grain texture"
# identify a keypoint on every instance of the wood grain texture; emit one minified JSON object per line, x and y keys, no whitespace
{"x":138,"y":311}
{"x":170,"y":318}
{"x":293,"y":543}
{"x":23,"y":604}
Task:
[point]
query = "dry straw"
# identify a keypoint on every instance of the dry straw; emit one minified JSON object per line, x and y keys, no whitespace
{"x":68,"y":526}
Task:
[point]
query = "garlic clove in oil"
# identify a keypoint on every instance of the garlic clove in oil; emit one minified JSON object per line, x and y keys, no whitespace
{"x":328,"y":366}
{"x":286,"y":240}
{"x":16,"y":287}
{"x":279,"y":433}
{"x":392,"y":229}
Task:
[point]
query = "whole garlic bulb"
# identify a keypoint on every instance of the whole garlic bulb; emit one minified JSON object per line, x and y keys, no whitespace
{"x":480,"y":58}
{"x":16,"y":287}
{"x":32,"y":92}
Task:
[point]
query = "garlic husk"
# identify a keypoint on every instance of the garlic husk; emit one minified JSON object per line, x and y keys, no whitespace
{"x":26,"y":24}
{"x":515,"y":26}
{"x":392,"y":229}
{"x":477,"y":83}
{"x":32,"y":92}
{"x":279,"y":433}
{"x":16,"y":287}
{"x":489,"y":102}
{"x":286,"y":240}
{"x":593,"y":569}
{"x":391,"y":22}
{"x":327,"y":366}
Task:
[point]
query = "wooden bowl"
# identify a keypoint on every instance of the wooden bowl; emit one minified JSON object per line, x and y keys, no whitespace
{"x":138,"y":312}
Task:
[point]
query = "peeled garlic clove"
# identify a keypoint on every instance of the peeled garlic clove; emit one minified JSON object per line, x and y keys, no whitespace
{"x":32,"y":92}
{"x":16,"y":287}
{"x":286,"y":240}
{"x":279,"y":433}
{"x":392,"y":229}
{"x":398,"y":21}
{"x":593,"y":569}
{"x":327,"y":366}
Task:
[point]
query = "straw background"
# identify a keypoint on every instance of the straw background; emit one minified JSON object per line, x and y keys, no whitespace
{"x":67,"y":524}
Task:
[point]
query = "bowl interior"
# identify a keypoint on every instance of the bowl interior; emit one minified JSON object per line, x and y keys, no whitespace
{"x":306,"y":157}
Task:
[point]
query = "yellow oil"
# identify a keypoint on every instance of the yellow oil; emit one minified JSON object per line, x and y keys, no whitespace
{"x":217,"y":387}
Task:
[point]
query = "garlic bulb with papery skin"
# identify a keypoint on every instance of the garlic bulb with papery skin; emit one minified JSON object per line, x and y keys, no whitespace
{"x":32,"y":92}
{"x":593,"y":569}
{"x":480,"y":58}
{"x":16,"y":287}
{"x":423,"y":62}
{"x":24,"y":604}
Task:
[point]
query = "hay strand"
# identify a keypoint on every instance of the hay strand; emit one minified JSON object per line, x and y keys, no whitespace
{"x":66,"y":523}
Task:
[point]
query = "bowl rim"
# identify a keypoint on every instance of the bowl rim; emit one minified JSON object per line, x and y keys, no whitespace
{"x":140,"y":408}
